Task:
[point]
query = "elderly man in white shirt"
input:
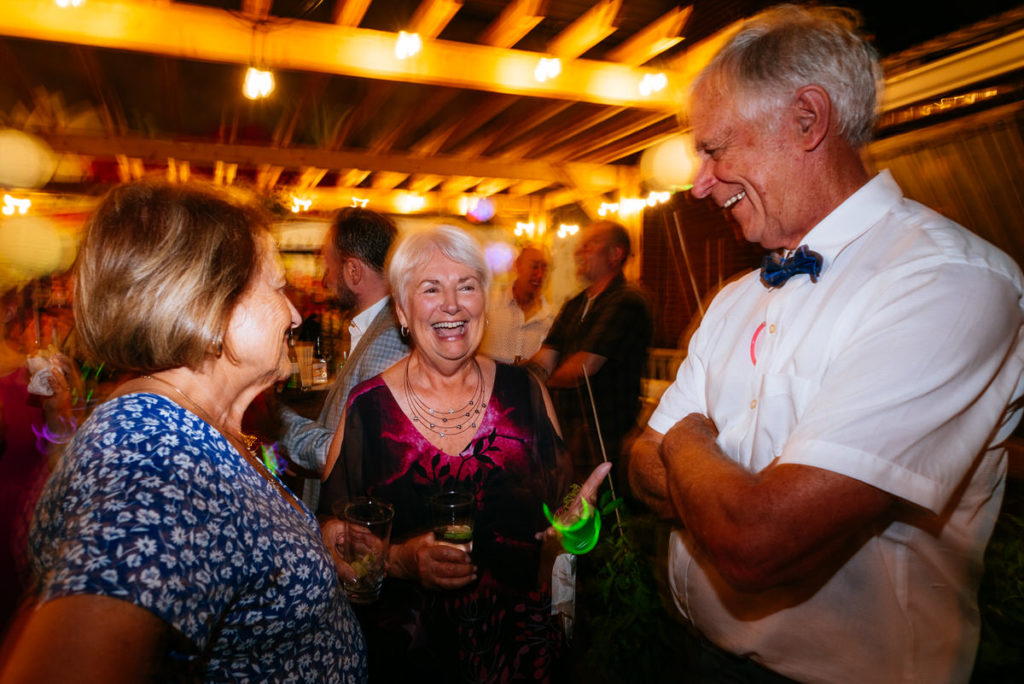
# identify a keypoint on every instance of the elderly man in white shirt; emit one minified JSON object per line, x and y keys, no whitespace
{"x":831,"y":447}
{"x":518,"y":315}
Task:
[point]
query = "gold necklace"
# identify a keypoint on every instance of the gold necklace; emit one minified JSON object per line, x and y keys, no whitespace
{"x":247,"y":441}
{"x":447,"y":422}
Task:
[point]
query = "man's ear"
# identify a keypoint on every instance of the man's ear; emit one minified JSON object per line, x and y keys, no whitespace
{"x":618,"y":256}
{"x":353,"y":271}
{"x":812,"y":108}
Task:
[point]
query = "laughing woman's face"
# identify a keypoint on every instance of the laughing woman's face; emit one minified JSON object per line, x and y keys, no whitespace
{"x":446,"y":306}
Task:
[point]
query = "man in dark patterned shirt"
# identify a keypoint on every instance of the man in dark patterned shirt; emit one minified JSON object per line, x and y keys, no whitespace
{"x":601,"y":334}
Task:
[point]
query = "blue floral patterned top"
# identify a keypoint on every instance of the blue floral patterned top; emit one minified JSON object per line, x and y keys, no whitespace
{"x":153,"y":506}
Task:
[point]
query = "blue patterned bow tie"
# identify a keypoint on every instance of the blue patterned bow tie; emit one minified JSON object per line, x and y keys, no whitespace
{"x":775,"y":270}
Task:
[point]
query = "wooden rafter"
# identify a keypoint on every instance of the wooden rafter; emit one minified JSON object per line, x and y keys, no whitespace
{"x":650,"y":42}
{"x":521,"y":136}
{"x":431,"y":16}
{"x":569,"y":132}
{"x":515,"y":21}
{"x":590,"y":29}
{"x":622,"y":127}
{"x":314,"y":86}
{"x":369,"y":104}
{"x":257,"y":9}
{"x":424,"y":110}
{"x":456,"y":129}
{"x":349,"y":12}
{"x":636,"y":142}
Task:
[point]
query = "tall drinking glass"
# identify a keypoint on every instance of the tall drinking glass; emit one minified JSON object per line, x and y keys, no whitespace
{"x":367,"y":537}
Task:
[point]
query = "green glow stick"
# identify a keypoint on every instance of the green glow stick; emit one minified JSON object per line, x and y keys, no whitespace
{"x":269,"y":458}
{"x":579,"y":536}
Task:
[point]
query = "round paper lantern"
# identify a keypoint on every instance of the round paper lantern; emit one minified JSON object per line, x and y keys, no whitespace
{"x":33,"y":246}
{"x":25,"y":160}
{"x":669,"y":165}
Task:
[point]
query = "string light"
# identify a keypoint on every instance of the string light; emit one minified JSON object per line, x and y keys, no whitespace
{"x":527,"y":229}
{"x":360,"y":202}
{"x":633,"y":205}
{"x":258,"y":83}
{"x":300,"y":204}
{"x":69,"y":3}
{"x":652,"y":83}
{"x":13,"y":204}
{"x":567,"y":229}
{"x":407,"y":45}
{"x":547,"y":68}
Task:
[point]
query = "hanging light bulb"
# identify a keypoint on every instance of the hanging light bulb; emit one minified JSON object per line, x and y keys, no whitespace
{"x":407,"y":45}
{"x":258,"y":83}
{"x":547,"y":68}
{"x":652,"y":83}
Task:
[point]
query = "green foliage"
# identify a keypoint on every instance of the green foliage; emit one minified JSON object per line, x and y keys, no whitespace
{"x":625,"y":631}
{"x":1001,"y":596}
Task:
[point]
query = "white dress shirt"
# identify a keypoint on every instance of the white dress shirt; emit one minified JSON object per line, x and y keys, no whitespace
{"x":895,"y":369}
{"x":509,"y":335}
{"x":361,"y":321}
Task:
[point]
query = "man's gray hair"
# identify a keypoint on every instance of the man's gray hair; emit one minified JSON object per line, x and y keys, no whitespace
{"x":416,"y":248}
{"x":785,"y":48}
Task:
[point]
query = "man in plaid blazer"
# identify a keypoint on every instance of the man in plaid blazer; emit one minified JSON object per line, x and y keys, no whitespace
{"x":355,"y":250}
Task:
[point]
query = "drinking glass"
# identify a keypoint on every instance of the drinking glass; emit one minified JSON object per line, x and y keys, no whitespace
{"x":367,"y":537}
{"x":451,"y":516}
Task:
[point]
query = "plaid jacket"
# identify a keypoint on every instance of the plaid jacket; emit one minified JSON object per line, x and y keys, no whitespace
{"x":308,"y":441}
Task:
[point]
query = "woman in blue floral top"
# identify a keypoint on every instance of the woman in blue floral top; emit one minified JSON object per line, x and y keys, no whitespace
{"x":164,"y":550}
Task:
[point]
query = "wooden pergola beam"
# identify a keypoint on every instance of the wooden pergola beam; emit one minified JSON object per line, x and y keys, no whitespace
{"x":187,"y":31}
{"x":595,"y":177}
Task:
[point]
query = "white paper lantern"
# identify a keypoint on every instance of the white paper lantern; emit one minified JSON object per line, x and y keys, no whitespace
{"x":25,"y":160}
{"x":33,"y":247}
{"x":669,"y":165}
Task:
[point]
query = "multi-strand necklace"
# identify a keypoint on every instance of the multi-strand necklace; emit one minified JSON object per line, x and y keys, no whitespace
{"x":450,"y":421}
{"x":244,"y":443}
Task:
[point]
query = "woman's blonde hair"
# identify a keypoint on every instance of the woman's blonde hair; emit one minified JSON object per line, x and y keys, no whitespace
{"x":159,"y":271}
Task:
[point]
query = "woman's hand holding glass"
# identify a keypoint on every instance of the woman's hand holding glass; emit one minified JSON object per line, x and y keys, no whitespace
{"x":433,"y":564}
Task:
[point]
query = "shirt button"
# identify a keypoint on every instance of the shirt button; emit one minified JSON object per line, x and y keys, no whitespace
{"x":753,"y":403}
{"x":771,"y":329}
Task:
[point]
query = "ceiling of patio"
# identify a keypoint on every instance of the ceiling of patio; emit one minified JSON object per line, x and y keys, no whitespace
{"x":124,"y":88}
